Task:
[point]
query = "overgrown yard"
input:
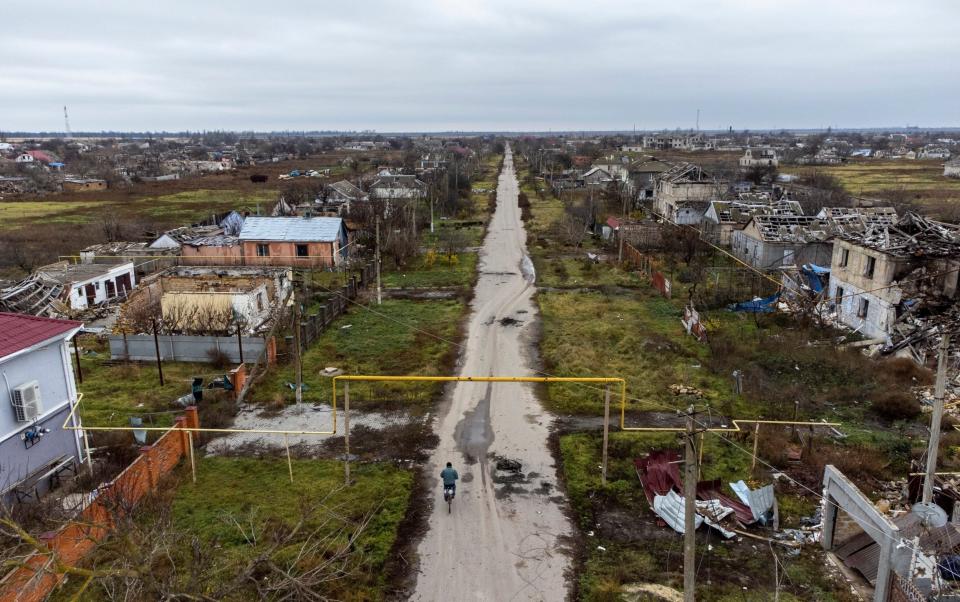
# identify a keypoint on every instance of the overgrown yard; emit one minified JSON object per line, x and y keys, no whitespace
{"x":396,"y":338}
{"x":434,"y":270}
{"x":115,"y":390}
{"x":244,"y":532}
{"x":624,"y":546}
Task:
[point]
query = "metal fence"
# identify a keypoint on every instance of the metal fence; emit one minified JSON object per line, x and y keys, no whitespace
{"x":182,"y":348}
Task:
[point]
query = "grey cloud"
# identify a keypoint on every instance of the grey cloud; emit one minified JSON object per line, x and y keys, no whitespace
{"x":477,"y":65}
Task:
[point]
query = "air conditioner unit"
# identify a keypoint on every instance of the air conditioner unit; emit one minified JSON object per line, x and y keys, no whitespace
{"x":26,"y":401}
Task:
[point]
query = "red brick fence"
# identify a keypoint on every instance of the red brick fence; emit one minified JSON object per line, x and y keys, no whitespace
{"x":42,"y":571}
{"x":645,"y":264}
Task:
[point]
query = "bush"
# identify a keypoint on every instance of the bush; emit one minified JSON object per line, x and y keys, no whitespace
{"x":895,"y":405}
{"x":218,"y":359}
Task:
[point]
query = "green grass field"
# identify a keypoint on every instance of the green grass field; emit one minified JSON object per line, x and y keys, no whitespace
{"x":919,"y":181}
{"x":259,"y":490}
{"x":184,"y":206}
{"x":13,"y":213}
{"x":460,"y":271}
{"x":245,"y":512}
{"x":113,"y":392}
{"x":638,"y":338}
{"x":397,"y":338}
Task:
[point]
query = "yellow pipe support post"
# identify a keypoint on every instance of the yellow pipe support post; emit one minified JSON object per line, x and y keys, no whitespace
{"x":193,"y":464}
{"x":606,"y":432}
{"x":756,"y":442}
{"x":286,"y":443}
{"x":346,"y":432}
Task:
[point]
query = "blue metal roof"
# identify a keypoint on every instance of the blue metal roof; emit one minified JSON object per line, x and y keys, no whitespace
{"x":292,"y":229}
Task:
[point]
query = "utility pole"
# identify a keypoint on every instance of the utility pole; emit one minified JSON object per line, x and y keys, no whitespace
{"x":689,"y":512}
{"x":377,"y":260}
{"x":76,"y":351}
{"x":296,"y":337}
{"x":623,"y":217}
{"x":934,"y":445}
{"x":156,"y":346}
{"x":606,"y":432}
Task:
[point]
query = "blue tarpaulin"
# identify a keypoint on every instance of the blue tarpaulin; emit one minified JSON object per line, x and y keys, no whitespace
{"x":757,"y":306}
{"x":817,"y":277}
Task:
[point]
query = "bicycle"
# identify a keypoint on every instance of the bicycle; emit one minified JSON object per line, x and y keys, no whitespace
{"x":448,"y":494}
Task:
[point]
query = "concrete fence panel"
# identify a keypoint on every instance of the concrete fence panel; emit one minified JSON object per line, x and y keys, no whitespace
{"x":182,"y":348}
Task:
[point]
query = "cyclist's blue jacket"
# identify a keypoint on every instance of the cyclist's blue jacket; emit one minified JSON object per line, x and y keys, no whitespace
{"x":449,"y":476}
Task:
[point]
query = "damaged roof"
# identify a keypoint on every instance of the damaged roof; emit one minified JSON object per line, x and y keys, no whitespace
{"x":741,"y":211}
{"x":686,"y":173}
{"x":792,"y":228}
{"x":910,"y":236}
{"x":70,"y":273}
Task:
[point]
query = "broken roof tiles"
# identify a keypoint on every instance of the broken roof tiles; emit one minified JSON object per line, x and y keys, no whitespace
{"x":910,"y":236}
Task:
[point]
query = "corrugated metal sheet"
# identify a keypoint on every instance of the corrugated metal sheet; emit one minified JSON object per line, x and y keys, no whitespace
{"x":292,"y":229}
{"x":669,"y":507}
{"x":760,"y":500}
{"x":658,"y":473}
{"x":711,"y":490}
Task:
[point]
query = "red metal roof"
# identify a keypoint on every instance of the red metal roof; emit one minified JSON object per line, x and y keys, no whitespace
{"x":18,"y":332}
{"x":39,"y":155}
{"x":659,"y":472}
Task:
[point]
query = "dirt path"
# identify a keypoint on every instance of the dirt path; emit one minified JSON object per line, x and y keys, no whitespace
{"x":505,"y":538}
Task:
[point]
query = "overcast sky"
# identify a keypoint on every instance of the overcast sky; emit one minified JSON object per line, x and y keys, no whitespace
{"x":493,"y":65}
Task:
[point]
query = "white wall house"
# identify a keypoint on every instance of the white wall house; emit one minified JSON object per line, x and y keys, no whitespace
{"x":754,"y":157}
{"x":89,"y":284}
{"x":37,"y":391}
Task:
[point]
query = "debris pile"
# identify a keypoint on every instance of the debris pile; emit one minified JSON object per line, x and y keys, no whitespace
{"x":679,"y":390}
{"x":659,"y":475}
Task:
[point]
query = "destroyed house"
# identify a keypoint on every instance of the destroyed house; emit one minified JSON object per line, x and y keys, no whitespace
{"x":772,"y":241}
{"x":207,"y":300}
{"x":685,"y":186}
{"x":341,"y":194}
{"x":88,"y":284}
{"x":890,"y":281}
{"x":218,"y":249}
{"x":397,"y":187}
{"x":722,"y":218}
{"x":174,"y":239}
{"x":642,"y":175}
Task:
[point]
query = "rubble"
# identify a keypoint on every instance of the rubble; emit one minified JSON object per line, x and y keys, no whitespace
{"x":686,"y":390}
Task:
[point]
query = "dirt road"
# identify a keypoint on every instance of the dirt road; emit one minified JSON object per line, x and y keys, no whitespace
{"x":505,"y":538}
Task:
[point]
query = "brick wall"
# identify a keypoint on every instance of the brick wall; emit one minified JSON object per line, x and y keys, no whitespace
{"x":846,"y":528}
{"x":39,"y":575}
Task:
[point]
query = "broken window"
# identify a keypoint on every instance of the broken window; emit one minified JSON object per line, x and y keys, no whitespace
{"x":263,"y":250}
{"x":303,"y":251}
{"x":871,"y":265}
{"x":863,"y":308}
{"x":839,"y":295}
{"x":844,"y":257}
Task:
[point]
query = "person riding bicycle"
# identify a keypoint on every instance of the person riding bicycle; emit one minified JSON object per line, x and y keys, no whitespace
{"x":449,"y":476}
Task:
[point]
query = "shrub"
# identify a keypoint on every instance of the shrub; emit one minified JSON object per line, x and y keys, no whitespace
{"x":895,"y":405}
{"x":218,"y":359}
